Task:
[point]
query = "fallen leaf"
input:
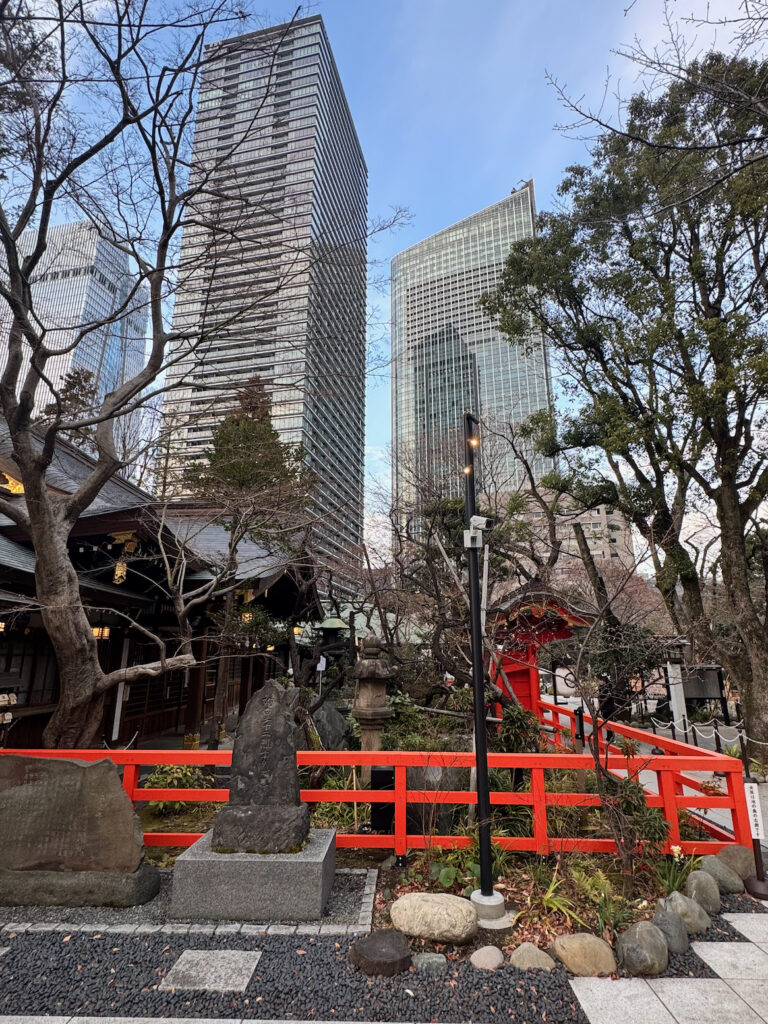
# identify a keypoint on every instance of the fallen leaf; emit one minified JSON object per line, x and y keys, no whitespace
{"x":409,"y":992}
{"x":301,"y":952}
{"x":66,"y":938}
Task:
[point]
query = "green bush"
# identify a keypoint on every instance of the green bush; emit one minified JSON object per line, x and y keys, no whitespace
{"x":178,"y":776}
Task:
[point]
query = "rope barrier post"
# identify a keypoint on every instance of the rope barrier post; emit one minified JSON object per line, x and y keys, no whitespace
{"x":743,"y":747}
{"x":672,"y":729}
{"x":718,"y":746}
{"x":694,"y":733}
{"x":685,"y":729}
{"x":578,"y":746}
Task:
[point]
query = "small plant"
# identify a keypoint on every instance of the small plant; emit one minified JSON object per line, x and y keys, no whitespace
{"x":711,"y":787}
{"x":177,"y":776}
{"x":629,"y":746}
{"x":555,"y":902}
{"x":672,"y":872}
{"x":520,"y":731}
{"x":613,"y":914}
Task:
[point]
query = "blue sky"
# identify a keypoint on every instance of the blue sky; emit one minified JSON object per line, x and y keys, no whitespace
{"x":453,"y":109}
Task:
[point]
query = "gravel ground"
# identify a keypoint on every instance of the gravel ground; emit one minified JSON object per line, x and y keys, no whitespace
{"x":99,"y":976}
{"x":343,"y":906}
{"x":743,"y":904}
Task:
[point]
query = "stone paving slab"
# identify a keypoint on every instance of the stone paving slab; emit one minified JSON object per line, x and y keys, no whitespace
{"x":752,"y":926}
{"x":754,"y":993}
{"x":212,"y":970}
{"x":630,"y":999}
{"x":697,"y":1000}
{"x":737,"y":960}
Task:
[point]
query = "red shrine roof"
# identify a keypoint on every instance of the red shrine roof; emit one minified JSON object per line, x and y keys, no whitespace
{"x":536,"y":614}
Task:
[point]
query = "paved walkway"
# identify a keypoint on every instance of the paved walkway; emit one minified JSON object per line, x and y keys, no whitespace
{"x":739,"y":995}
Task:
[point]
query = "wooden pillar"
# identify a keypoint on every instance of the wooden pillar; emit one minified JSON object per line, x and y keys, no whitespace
{"x":193,"y":712}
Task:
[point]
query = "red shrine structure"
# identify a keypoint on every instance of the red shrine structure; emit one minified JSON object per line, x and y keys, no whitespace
{"x":527,"y":620}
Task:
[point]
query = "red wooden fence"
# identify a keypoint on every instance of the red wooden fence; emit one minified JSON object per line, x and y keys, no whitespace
{"x":671,"y":770}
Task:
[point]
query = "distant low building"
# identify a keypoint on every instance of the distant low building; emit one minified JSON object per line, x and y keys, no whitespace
{"x":115,"y":548}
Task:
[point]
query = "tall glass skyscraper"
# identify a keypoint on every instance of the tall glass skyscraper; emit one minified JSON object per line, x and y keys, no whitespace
{"x":448,"y":357}
{"x":82,"y":281}
{"x":273,"y":264}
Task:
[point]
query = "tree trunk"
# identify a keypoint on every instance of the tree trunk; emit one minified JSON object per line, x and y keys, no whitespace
{"x":77,"y":719}
{"x":753,"y":690}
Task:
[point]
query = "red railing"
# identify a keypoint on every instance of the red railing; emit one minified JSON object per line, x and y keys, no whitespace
{"x":670,"y":770}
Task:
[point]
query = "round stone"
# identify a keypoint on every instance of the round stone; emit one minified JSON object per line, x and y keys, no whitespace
{"x":728,"y":881}
{"x":528,"y":957}
{"x":436,"y":916}
{"x":487,"y":958}
{"x":672,"y":926}
{"x":740,"y":859}
{"x":693,"y":914}
{"x":584,"y":954}
{"x":703,"y":888}
{"x":642,"y":949}
{"x":430,"y":963}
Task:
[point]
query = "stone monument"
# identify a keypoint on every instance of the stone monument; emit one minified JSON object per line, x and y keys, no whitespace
{"x":265,"y":813}
{"x":260,"y":861}
{"x":69,"y":836}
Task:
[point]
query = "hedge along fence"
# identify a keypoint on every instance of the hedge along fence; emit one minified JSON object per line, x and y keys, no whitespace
{"x":670,"y":768}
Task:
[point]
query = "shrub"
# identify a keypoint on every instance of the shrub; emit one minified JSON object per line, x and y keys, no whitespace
{"x":178,"y":776}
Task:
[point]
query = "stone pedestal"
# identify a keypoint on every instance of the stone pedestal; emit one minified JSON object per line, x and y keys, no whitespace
{"x":262,"y":887}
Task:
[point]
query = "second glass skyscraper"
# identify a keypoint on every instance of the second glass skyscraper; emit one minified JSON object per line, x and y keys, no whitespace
{"x":448,"y":357}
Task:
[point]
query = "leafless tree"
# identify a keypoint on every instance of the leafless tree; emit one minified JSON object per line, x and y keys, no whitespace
{"x":98,"y":109}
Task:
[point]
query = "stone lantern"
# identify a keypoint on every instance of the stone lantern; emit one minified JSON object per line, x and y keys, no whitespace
{"x":370,"y":707}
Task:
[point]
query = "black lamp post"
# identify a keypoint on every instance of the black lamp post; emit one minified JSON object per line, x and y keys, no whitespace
{"x":473,"y":540}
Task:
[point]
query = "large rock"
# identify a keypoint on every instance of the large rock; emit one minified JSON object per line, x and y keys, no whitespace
{"x":385,"y":952}
{"x":61,"y":815}
{"x":528,"y":957}
{"x":693,"y":914}
{"x":727,"y":879}
{"x":740,"y":859}
{"x":672,"y":926}
{"x":703,"y":888}
{"x":642,"y":949}
{"x":331,"y":727}
{"x":584,"y":954}
{"x":437,"y":916}
{"x":265,"y":813}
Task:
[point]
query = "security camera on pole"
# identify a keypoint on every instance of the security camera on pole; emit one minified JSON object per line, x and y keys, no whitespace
{"x":488,"y":903}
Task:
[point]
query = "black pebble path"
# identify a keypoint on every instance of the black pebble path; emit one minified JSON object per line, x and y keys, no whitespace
{"x":298,"y":977}
{"x":115,"y":975}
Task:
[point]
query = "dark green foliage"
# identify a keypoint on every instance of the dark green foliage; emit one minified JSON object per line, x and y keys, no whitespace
{"x":650,"y":287}
{"x":520,"y":731}
{"x":178,"y":776}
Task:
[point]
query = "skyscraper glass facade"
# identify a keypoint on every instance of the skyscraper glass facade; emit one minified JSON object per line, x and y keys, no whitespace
{"x":448,"y":357}
{"x":273,"y":264}
{"x":82,"y":281}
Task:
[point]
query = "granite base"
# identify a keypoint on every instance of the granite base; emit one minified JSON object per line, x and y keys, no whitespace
{"x":79,"y":888}
{"x":263,"y":887}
